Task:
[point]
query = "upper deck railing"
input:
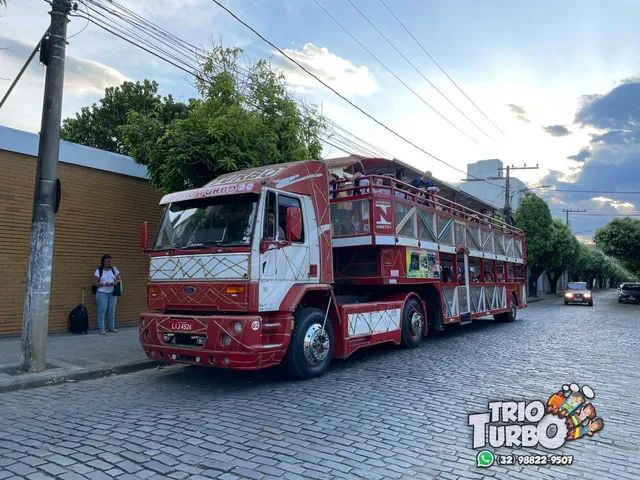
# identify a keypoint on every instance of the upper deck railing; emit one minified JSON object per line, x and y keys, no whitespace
{"x":384,"y":207}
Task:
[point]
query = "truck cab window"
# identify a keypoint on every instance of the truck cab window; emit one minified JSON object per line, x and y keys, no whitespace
{"x":285,"y":202}
{"x":270,"y":220}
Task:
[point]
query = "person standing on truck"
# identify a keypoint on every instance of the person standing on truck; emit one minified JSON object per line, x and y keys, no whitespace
{"x":357,"y":178}
{"x":106,"y":277}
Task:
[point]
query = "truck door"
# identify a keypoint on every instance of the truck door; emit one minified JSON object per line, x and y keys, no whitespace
{"x":284,"y":261}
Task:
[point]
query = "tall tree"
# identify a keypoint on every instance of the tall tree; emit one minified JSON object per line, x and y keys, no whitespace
{"x":242,"y":120}
{"x":534,"y":218}
{"x":620,"y":238}
{"x":563,"y":252}
{"x":100,"y":125}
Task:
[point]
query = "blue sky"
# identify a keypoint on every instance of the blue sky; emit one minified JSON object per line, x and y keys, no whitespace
{"x":529,"y":65}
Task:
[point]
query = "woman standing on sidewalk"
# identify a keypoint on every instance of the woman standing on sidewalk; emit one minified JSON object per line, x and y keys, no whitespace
{"x":105,"y":279}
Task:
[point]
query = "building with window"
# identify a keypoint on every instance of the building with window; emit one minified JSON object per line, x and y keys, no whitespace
{"x":105,"y":198}
{"x":492,"y":192}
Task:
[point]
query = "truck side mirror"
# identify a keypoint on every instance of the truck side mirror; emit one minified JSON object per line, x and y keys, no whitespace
{"x":294,"y":224}
{"x":144,"y":236}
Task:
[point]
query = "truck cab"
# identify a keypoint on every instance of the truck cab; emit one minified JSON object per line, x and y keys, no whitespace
{"x":231,"y":262}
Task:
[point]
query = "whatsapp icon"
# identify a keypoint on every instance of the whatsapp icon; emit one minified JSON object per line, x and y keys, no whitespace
{"x":484,"y":459}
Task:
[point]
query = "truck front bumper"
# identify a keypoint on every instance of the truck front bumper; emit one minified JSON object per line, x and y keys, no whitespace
{"x":229,"y":341}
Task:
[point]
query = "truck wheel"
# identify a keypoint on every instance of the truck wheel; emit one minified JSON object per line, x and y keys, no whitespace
{"x":311,"y":347}
{"x":509,"y":316}
{"x":412,"y":323}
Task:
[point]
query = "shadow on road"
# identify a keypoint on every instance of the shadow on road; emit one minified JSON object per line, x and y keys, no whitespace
{"x":214,"y":379}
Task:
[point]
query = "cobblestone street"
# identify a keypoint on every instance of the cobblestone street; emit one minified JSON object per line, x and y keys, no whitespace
{"x":385,"y":413}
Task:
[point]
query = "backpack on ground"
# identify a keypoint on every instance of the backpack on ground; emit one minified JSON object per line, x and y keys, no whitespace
{"x":79,"y":318}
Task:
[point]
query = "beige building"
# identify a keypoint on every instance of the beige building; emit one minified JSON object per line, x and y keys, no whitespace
{"x":105,"y":198}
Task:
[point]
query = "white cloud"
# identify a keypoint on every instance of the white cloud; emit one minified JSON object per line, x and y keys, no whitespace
{"x":617,"y":204}
{"x":338,"y":72}
{"x":85,"y":81}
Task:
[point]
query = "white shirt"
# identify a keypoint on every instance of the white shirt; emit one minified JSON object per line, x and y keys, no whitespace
{"x":108,"y":276}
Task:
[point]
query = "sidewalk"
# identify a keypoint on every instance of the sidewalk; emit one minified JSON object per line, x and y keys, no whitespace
{"x":74,"y":357}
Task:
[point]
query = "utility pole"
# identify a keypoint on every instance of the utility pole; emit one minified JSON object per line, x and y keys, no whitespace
{"x":35,"y":321}
{"x":508,"y":214}
{"x":567,"y":211}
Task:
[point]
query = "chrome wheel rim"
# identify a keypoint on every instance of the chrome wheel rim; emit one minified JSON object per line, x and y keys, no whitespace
{"x":415,"y":323}
{"x":316,"y":345}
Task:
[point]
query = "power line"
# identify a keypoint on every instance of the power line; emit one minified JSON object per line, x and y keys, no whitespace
{"x":23,"y":69}
{"x":133,"y":38}
{"x":384,"y":65}
{"x":418,"y":70}
{"x":159,"y":34}
{"x":440,"y":67}
{"x":352,"y":104}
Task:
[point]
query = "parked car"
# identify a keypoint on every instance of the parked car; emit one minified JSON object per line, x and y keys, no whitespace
{"x":578,"y":292}
{"x":629,"y":292}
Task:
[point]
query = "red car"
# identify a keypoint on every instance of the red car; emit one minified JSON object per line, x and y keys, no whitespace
{"x":578,"y":292}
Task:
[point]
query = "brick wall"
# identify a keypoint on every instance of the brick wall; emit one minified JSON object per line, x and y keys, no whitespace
{"x":100,"y":212}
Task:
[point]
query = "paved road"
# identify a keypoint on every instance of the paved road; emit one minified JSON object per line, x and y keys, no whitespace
{"x":386,"y":413}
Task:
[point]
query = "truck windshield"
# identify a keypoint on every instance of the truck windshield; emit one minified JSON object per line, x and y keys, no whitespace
{"x":220,"y":221}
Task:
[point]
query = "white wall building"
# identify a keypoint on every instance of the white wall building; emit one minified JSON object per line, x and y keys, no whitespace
{"x":493,"y":194}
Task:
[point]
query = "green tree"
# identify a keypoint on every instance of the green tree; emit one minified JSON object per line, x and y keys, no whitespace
{"x":534,"y":218}
{"x":563,"y":252}
{"x":100,"y":125}
{"x":620,"y":238}
{"x":243,"y":119}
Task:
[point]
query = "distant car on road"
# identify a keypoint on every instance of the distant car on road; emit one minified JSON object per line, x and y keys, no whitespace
{"x":629,"y":292}
{"x":578,"y":292}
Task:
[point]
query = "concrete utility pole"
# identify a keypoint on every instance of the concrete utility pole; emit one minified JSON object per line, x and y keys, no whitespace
{"x":35,"y":321}
{"x":508,"y":214}
{"x":567,"y":211}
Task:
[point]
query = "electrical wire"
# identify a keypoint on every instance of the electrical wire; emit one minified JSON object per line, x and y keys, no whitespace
{"x":384,"y":65}
{"x":345,"y":99}
{"x":162,"y":36}
{"x":413,"y":65}
{"x":22,"y":70}
{"x":440,"y":67}
{"x":347,"y":145}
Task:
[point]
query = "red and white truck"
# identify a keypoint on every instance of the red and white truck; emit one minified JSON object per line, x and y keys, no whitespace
{"x":274,"y":265}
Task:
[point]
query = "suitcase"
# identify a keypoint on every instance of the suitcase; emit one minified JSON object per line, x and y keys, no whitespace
{"x":79,"y":318}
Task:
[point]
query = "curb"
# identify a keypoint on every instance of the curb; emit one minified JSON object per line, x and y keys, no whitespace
{"x":80,"y":375}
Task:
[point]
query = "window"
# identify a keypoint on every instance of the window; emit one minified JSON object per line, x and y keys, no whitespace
{"x":270,"y":217}
{"x":474,"y":269}
{"x":275,"y":221}
{"x":219,"y":221}
{"x":488,"y":270}
{"x":500,"y":272}
{"x":285,"y":202}
{"x":446,"y":267}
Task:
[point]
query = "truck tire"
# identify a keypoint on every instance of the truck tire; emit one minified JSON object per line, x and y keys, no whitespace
{"x":412,"y":323}
{"x":310,"y":348}
{"x":509,"y":316}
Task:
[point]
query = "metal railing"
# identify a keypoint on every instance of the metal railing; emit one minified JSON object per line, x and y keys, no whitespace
{"x":418,"y":214}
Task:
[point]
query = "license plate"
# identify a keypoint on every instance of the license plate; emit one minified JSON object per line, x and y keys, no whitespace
{"x":180,"y":325}
{"x":632,"y":298}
